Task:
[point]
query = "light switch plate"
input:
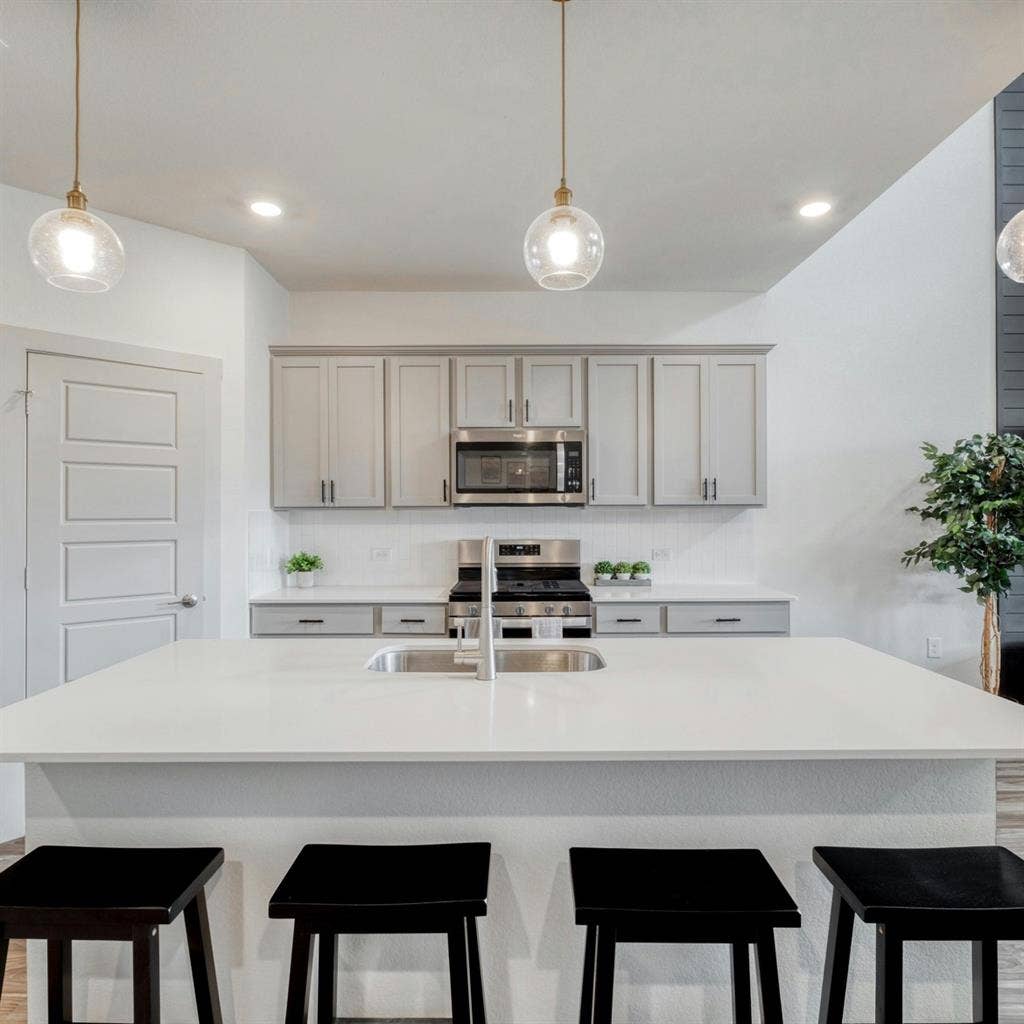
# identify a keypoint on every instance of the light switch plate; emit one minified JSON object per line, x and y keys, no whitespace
{"x":661,"y":554}
{"x":380,"y":554}
{"x":935,"y":647}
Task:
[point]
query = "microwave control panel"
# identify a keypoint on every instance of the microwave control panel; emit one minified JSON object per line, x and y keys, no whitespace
{"x":574,"y":469}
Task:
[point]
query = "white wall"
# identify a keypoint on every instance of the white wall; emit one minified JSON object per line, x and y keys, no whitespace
{"x":885,"y":338}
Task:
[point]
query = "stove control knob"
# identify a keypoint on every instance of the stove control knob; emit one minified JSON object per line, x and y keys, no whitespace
{"x":473,"y":610}
{"x":549,"y":609}
{"x":520,"y":610}
{"x":566,"y":609}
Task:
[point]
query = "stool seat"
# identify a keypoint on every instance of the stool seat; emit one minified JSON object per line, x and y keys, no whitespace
{"x":95,"y":884}
{"x":963,"y":885}
{"x":679,"y":888}
{"x":434,"y":880}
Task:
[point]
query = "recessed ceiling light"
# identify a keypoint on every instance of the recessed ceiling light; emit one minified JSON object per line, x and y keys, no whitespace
{"x":265,"y":209}
{"x":816,"y":209}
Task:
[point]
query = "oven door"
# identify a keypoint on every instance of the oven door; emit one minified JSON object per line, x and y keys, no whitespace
{"x":518,"y":467}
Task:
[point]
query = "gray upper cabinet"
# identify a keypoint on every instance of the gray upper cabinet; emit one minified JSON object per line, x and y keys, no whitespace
{"x":418,"y":397}
{"x":485,"y":391}
{"x":618,"y":434}
{"x":709,"y":430}
{"x":356,"y":418}
{"x":300,"y":431}
{"x":552,"y":391}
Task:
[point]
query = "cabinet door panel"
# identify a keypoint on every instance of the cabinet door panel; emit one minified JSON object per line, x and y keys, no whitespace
{"x":738,"y":429}
{"x":680,"y":430}
{"x":356,"y":402}
{"x":420,"y":430}
{"x":300,"y":431}
{"x":618,"y":429}
{"x":485,"y":390}
{"x":552,"y":391}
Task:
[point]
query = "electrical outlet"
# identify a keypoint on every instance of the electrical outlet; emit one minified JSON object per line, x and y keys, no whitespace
{"x":935,"y":647}
{"x":380,"y":554}
{"x":661,"y":554}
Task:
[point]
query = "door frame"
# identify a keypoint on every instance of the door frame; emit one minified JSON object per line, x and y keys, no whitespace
{"x":16,"y":344}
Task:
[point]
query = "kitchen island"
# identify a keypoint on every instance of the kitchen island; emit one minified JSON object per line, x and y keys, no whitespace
{"x":263,"y":745}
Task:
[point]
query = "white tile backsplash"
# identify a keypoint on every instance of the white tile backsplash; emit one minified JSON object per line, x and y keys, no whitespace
{"x":709,"y":545}
{"x":268,"y":547}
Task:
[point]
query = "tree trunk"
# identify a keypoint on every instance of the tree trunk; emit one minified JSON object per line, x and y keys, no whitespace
{"x":990,"y":646}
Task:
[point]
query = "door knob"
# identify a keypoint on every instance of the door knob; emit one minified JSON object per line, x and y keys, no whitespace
{"x":188,"y":600}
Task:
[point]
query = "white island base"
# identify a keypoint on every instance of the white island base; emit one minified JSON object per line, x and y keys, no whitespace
{"x":531,"y":812}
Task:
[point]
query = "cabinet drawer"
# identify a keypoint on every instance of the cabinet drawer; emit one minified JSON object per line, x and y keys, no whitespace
{"x":412,"y":619}
{"x":628,"y":618}
{"x":731,"y":617}
{"x":313,"y":619}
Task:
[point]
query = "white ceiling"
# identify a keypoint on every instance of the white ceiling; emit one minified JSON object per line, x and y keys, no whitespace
{"x":412,"y":141}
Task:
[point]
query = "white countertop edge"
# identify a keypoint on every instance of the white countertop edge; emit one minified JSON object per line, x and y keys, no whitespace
{"x":354,"y":595}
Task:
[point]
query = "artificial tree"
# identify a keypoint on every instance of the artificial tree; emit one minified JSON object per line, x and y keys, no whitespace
{"x":977,"y":495}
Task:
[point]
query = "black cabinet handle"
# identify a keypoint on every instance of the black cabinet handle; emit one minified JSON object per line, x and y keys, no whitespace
{"x":332,"y":492}
{"x":510,"y":410}
{"x":323,"y":493}
{"x":527,"y":410}
{"x":714,"y":489}
{"x":629,"y":620}
{"x":312,"y":622}
{"x":728,"y":620}
{"x":444,"y":490}
{"x":705,"y":488}
{"x":592,"y":488}
{"x":412,"y":620}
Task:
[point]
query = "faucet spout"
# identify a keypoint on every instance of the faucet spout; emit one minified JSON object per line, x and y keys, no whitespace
{"x":486,"y":668}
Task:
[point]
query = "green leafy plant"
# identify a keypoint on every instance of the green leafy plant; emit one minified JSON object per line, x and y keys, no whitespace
{"x":641,"y":568}
{"x":976,"y":494}
{"x":623,"y":568}
{"x":303,"y":562}
{"x":604,"y":568}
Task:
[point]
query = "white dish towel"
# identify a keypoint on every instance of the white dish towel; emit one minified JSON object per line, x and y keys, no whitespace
{"x":547,"y":629}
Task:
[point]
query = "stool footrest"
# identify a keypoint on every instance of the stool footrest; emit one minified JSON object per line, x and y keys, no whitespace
{"x":392,"y":1020}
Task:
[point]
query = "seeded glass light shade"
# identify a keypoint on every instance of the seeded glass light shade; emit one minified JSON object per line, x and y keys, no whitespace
{"x":1010,"y":249}
{"x":76,"y":250}
{"x":563,"y":248}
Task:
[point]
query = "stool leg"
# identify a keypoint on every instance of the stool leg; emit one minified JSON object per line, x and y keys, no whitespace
{"x":768,"y":980}
{"x":740,"y":963}
{"x":587,"y":995}
{"x":146,"y":975}
{"x":458,"y":973}
{"x":58,"y":981}
{"x":476,"y":981}
{"x":4,"y":944}
{"x":299,"y":975}
{"x":200,"y":954}
{"x":986,"y":990}
{"x":605,"y":975}
{"x":327,"y":978}
{"x":888,"y":976}
{"x":837,"y":962}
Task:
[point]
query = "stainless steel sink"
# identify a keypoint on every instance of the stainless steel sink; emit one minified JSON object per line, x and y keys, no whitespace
{"x":509,"y":659}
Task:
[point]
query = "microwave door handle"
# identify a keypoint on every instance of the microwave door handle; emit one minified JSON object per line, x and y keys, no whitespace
{"x":560,"y":467}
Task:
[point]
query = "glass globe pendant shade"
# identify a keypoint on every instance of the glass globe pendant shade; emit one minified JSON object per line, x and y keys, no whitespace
{"x":1010,"y":249}
{"x":563,"y":248}
{"x":76,"y":250}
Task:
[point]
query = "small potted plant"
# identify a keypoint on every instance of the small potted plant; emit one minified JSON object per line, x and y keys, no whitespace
{"x":303,"y":564}
{"x":603,"y":571}
{"x":623,"y":570}
{"x":641,"y":571}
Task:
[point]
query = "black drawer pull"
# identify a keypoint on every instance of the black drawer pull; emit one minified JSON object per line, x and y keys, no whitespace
{"x":630,"y":620}
{"x":728,"y":620}
{"x":312,"y":622}
{"x":412,"y":620}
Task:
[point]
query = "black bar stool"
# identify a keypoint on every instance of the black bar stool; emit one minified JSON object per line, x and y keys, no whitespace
{"x":67,"y":893}
{"x":713,"y":896}
{"x":972,"y":893}
{"x":335,"y":890}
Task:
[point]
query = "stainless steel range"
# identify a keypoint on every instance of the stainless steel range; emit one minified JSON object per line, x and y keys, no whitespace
{"x":537,"y":579}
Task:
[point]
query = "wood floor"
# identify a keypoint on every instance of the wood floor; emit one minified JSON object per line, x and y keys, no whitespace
{"x":1009,"y":833}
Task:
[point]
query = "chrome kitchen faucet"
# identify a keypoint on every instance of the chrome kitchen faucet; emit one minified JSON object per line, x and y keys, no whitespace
{"x":483,"y":656}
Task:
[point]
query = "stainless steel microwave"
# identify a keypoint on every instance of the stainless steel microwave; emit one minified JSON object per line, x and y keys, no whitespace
{"x":518,"y":467}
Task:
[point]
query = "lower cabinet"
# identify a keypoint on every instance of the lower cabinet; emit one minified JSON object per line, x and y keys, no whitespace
{"x":347,"y":620}
{"x":698,"y":618}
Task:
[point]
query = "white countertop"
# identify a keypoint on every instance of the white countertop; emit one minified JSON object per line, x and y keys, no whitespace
{"x":665,"y":699}
{"x":659,"y":593}
{"x":354,"y":595}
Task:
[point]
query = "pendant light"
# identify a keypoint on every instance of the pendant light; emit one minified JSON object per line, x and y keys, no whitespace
{"x":72,"y":248}
{"x":1010,"y":249}
{"x":564,"y":247}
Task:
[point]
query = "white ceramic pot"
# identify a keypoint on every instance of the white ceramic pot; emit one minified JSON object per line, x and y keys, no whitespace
{"x":304,"y":579}
{"x":604,"y":577}
{"x":623,"y":576}
{"x":641,"y":575}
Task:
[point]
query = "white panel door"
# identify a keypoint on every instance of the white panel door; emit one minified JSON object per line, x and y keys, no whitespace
{"x":617,"y":429}
{"x":552,"y":391}
{"x":300,"y":431}
{"x":485,"y":391}
{"x":116,"y":490}
{"x":681,"y":412}
{"x":356,"y":404}
{"x":738,"y":429}
{"x":420,"y":417}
